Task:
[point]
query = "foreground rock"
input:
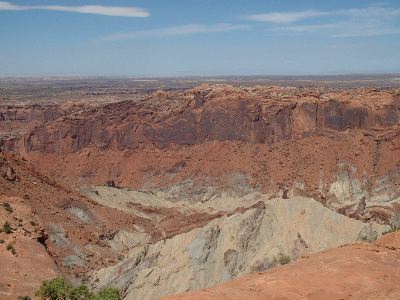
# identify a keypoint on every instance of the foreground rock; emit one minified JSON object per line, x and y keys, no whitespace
{"x":275,"y":232}
{"x":359,"y":271}
{"x":24,"y":260}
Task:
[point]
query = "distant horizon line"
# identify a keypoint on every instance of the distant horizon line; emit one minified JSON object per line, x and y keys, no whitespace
{"x":78,"y":75}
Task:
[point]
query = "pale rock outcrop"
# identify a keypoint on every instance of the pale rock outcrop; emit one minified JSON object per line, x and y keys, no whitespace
{"x":233,"y":246}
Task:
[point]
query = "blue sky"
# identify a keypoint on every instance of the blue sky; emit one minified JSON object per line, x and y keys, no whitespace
{"x":198,"y":37}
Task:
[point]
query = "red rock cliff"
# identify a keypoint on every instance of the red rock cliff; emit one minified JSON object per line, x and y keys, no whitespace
{"x":256,"y":115}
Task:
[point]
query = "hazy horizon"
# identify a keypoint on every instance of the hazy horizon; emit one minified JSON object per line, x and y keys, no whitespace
{"x":188,"y":76}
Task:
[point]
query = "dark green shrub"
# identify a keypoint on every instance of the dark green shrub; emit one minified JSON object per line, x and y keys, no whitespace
{"x":54,"y":289}
{"x":108,"y":293}
{"x":59,"y":289}
{"x":7,"y":207}
{"x":11,"y":248}
{"x":24,"y":298}
{"x":80,"y":293}
{"x":283,"y":259}
{"x":7,"y":228}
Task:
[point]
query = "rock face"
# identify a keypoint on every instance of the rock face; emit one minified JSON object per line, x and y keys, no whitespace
{"x":226,"y":248}
{"x":29,"y":113}
{"x":222,"y":113}
{"x":17,"y":118}
{"x":359,"y":271}
{"x":274,"y":137}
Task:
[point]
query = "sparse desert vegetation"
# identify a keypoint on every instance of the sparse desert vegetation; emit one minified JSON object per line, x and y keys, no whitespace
{"x":11,"y":248}
{"x":7,"y":207}
{"x":7,"y":228}
{"x":283,"y":259}
{"x":60,"y":289}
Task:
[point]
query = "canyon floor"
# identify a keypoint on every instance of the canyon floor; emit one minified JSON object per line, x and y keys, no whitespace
{"x":202,"y":188}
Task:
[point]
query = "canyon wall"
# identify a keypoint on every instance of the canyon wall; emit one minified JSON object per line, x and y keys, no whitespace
{"x":260,"y":116}
{"x":341,"y":147}
{"x":183,"y":190}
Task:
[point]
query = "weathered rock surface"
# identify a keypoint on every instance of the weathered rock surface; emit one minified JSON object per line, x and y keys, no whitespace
{"x":226,"y":248}
{"x":359,"y":271}
{"x":220,"y":113}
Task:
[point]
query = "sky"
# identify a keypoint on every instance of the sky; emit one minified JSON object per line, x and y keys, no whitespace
{"x":199,"y":37}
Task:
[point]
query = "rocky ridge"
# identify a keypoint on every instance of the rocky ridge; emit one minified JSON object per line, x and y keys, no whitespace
{"x":358,"y":271}
{"x":275,"y":231}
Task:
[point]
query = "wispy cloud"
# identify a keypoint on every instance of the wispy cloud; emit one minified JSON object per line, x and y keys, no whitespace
{"x":368,"y":21}
{"x":285,"y":17}
{"x":189,"y":29}
{"x":114,"y":11}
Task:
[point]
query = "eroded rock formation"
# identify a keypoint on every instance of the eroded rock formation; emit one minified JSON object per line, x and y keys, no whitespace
{"x":359,"y":271}
{"x":232,"y":246}
{"x":183,"y":190}
{"x":336,"y":146}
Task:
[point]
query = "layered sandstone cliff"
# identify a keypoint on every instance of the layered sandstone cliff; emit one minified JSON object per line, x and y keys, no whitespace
{"x":221,"y":113}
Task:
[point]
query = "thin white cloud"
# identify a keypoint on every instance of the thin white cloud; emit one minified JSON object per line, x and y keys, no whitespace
{"x":7,"y":6}
{"x":114,"y":11}
{"x":356,"y":22}
{"x":372,"y":11}
{"x":341,"y":29}
{"x":189,"y":29}
{"x":285,"y":17}
{"x":307,"y":28}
